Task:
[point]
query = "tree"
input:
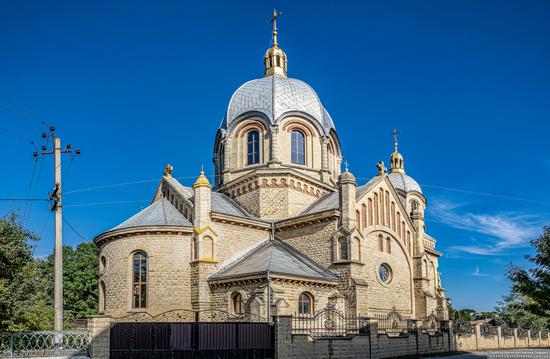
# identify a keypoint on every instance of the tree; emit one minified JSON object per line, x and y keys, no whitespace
{"x":80,"y":279}
{"x":529,"y":303}
{"x":23,"y":301}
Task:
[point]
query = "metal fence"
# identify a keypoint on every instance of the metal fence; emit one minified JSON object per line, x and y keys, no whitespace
{"x":488,"y":330}
{"x":31,"y":344}
{"x":463,"y":327}
{"x":393,"y":324}
{"x":329,"y":322}
{"x":191,"y":316}
{"x":507,"y":331}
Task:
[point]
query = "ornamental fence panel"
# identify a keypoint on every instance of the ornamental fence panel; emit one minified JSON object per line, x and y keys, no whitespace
{"x":463,"y":327}
{"x":191,"y":316}
{"x":522,"y":333}
{"x":507,"y":331}
{"x":329,"y":322}
{"x":44,"y":343}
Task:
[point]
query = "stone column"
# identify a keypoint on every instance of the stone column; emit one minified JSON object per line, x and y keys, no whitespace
{"x":274,"y":145}
{"x":100,"y":336}
{"x":227,"y":155}
{"x":324,"y":154}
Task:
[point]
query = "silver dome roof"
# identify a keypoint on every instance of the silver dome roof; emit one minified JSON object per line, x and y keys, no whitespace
{"x":403,"y":182}
{"x":275,"y":97}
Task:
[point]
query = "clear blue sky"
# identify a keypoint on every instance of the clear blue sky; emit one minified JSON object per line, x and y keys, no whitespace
{"x":137,"y":84}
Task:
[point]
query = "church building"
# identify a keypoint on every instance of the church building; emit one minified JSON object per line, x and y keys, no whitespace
{"x":279,"y":229}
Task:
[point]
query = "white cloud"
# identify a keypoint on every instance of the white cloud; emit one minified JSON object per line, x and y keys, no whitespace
{"x":506,"y":230}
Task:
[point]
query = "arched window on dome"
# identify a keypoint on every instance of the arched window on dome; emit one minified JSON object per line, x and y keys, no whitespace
{"x":139,"y":280}
{"x":253,"y":147}
{"x":297,"y":147}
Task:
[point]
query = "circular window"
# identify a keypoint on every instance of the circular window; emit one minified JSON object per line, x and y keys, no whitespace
{"x":385,"y":273}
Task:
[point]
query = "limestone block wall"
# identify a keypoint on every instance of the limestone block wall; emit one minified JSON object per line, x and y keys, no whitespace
{"x":168,"y":272}
{"x":477,"y":341}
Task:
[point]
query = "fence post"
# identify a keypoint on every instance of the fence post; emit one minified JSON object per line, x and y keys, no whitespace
{"x":99,"y":327}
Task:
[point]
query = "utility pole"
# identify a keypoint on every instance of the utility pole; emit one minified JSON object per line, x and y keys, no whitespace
{"x":57,"y":206}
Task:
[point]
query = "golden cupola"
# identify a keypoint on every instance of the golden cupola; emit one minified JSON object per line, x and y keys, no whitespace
{"x":275,"y":58}
{"x":397,"y":163}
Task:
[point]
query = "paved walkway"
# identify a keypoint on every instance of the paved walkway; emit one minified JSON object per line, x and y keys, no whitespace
{"x":503,"y":354}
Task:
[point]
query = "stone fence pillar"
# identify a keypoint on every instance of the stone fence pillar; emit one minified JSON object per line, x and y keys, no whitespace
{"x":99,"y":327}
{"x":283,"y":336}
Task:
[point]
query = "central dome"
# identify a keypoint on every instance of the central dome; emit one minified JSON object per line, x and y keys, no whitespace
{"x":275,"y":97}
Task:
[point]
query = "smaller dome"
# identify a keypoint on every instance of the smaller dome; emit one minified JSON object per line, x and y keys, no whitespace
{"x":403,"y":182}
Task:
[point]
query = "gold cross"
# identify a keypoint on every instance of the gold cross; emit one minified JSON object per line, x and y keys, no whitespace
{"x":273,"y":20}
{"x":395,"y":133}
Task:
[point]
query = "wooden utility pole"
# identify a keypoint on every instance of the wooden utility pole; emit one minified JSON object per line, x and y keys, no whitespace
{"x":57,"y":206}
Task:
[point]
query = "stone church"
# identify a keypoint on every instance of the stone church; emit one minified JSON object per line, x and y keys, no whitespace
{"x":279,"y":229}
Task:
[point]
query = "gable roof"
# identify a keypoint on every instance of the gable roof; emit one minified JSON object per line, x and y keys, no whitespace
{"x":221,"y":203}
{"x":274,"y":257}
{"x":332,"y":200}
{"x":159,"y":213}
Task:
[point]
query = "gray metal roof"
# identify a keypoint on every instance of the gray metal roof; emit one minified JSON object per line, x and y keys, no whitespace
{"x":277,"y":258}
{"x":275,"y":96}
{"x":332,"y":200}
{"x":159,"y":213}
{"x":221,"y":203}
{"x":403,"y":182}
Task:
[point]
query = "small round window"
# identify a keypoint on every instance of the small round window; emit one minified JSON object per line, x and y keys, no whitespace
{"x":385,"y":273}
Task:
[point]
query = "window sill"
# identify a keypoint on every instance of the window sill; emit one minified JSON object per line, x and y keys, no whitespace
{"x":348,"y":261}
{"x":205,"y":260}
{"x":137,"y":310}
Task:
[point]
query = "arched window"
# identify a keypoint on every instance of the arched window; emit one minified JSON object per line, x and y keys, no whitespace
{"x":370,"y":212}
{"x":297,"y":147}
{"x":398,"y":223}
{"x":237,"y":303}
{"x":363,"y":216}
{"x":139,"y":280}
{"x":414,"y":205}
{"x":305,"y":303}
{"x":253,"y":147}
{"x":393,"y":216}
{"x":101,"y":296}
{"x":403,"y":229}
{"x":376,"y":214}
{"x":388,"y":245}
{"x":342,"y":248}
{"x":208,"y":248}
{"x":382,"y":217}
{"x":388,"y":209}
{"x":409,"y":240}
{"x":380,"y":243}
{"x":356,"y":250}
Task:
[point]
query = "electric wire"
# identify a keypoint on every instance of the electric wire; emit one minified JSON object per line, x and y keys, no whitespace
{"x":19,"y":136}
{"x":74,"y":230}
{"x":35,"y":188}
{"x":30,"y":187}
{"x":40,"y":127}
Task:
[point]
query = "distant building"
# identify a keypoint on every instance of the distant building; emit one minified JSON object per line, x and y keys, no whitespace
{"x":281,"y":230}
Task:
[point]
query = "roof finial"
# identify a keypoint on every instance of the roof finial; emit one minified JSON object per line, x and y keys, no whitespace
{"x":395,"y":133}
{"x":397,"y":164}
{"x":381,"y":168}
{"x":275,"y":58}
{"x":346,"y":165}
{"x":273,"y":20}
{"x":202,"y":181}
{"x":168,"y":170}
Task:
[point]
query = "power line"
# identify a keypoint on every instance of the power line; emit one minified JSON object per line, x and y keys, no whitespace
{"x":91,"y":204}
{"x":74,"y":229}
{"x":38,"y":126}
{"x":24,"y":199}
{"x":34,"y":192}
{"x":19,"y":136}
{"x":30,"y":187}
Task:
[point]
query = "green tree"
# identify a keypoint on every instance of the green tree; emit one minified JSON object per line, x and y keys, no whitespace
{"x":80,"y":279}
{"x":529,"y":303}
{"x":23,"y":301}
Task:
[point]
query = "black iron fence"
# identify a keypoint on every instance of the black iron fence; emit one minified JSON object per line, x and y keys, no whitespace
{"x":29,"y":344}
{"x":487,"y":330}
{"x":192,"y":340}
{"x":191,"y":316}
{"x":329,"y":322}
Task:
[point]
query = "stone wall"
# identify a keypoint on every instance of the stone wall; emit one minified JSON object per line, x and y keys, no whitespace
{"x":478,"y":341}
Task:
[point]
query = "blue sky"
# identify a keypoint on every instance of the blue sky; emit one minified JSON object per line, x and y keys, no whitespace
{"x":137,"y":84}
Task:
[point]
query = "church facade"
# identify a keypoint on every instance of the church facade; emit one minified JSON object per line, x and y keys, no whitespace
{"x":280,"y":229}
